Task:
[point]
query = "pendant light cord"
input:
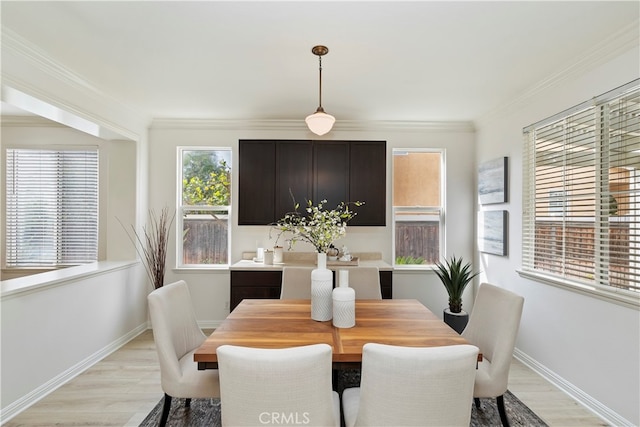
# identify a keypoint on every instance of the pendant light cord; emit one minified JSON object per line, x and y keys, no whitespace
{"x":320,"y":85}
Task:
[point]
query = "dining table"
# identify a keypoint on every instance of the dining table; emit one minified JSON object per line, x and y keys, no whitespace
{"x":282,"y":323}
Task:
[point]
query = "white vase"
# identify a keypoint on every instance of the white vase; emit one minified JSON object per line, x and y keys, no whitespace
{"x":278,"y":256}
{"x":344,"y":303}
{"x":321,"y":288}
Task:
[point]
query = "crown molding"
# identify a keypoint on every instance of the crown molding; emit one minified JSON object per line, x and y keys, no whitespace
{"x":616,"y":44}
{"x":22,"y":48}
{"x":299,"y":125}
{"x":29,"y":121}
{"x":105,"y":128}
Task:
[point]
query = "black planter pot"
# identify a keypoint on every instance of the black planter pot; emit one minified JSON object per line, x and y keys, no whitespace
{"x":457,"y":321}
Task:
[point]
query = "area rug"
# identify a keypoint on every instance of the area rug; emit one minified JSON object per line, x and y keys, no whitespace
{"x":206,"y":412}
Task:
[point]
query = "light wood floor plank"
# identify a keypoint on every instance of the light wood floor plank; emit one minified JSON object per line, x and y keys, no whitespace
{"x":123,"y":388}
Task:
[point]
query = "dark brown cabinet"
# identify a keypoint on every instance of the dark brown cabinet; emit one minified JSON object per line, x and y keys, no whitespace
{"x":368,"y":182}
{"x":256,"y":182}
{"x":254,"y":285}
{"x":331,"y":173}
{"x":274,"y":173}
{"x":267,"y":284}
{"x":293,"y":182}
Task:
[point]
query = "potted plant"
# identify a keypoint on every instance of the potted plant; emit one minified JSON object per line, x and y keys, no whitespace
{"x":455,"y":277}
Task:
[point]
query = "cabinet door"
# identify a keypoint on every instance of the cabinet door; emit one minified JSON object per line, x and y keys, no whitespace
{"x":368,"y":181}
{"x":254,"y":285}
{"x":331,"y":172}
{"x":293,"y":176}
{"x":256,"y":182}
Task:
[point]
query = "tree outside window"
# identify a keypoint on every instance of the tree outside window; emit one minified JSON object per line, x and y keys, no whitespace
{"x":205,"y":200}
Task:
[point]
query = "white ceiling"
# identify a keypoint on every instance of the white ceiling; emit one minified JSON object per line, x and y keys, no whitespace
{"x":420,"y":60}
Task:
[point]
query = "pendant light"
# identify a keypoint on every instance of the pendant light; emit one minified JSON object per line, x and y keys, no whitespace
{"x":320,"y":122}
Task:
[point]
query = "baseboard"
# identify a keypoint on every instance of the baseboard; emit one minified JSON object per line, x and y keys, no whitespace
{"x":34,"y":396}
{"x":593,"y":405}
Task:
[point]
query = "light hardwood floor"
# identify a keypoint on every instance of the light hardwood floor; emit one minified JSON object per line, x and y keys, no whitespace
{"x":123,"y":388}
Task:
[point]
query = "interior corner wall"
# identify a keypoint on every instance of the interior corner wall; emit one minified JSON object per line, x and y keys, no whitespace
{"x":121,"y":210}
{"x":591,"y":344}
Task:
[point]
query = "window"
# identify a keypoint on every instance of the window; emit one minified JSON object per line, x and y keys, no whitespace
{"x":204,"y":204}
{"x":581,"y":201}
{"x":52,"y":207}
{"x":418,"y":212}
{"x":557,"y":202}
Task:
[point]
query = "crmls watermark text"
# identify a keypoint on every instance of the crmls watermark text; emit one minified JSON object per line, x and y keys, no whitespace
{"x":276,"y":418}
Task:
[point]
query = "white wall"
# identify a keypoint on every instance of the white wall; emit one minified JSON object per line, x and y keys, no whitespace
{"x":591,"y":344}
{"x":51,"y":333}
{"x":211,"y":289}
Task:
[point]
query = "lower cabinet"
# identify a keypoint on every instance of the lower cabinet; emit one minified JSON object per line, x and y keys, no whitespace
{"x":266,"y":285}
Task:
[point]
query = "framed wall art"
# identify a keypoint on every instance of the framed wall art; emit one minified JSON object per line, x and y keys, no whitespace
{"x":493,"y":180}
{"x":492,"y":232}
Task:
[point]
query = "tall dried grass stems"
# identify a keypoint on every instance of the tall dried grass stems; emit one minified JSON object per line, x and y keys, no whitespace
{"x":152,"y":244}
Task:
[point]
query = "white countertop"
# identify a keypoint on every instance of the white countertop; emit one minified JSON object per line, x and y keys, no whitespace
{"x":307,"y":259}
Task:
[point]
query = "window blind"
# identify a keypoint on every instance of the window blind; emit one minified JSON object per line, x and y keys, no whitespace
{"x":51,"y":208}
{"x":581,"y":189}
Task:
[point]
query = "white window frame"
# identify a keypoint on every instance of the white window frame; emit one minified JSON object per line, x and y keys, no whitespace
{"x":181,"y":209}
{"x":422,"y":209}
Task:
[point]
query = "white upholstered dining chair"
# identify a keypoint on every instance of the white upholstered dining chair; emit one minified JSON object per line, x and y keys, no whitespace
{"x":493,"y":328}
{"x":366,"y":282}
{"x":412,"y":386}
{"x":287,"y":386}
{"x":177,"y":335}
{"x":296,"y":283}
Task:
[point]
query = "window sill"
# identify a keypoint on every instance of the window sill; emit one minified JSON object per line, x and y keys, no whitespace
{"x":59,"y":277}
{"x":412,"y":267}
{"x":621,"y":297}
{"x":202,"y":269}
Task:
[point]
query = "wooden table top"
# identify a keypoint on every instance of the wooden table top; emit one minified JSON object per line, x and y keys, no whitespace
{"x":275,"y":323}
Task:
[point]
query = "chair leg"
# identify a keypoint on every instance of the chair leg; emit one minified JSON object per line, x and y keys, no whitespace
{"x":501,"y":411}
{"x":477,"y":402}
{"x":187,"y":403}
{"x":165,"y":410}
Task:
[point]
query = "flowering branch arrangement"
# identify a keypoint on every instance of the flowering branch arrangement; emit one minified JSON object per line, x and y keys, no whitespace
{"x":318,"y":226}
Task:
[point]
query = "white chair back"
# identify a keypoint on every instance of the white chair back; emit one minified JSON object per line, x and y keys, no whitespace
{"x":177,"y":335}
{"x":296,"y":283}
{"x":290,"y":386}
{"x":493,"y":328}
{"x":366,"y":282}
{"x":412,"y":386}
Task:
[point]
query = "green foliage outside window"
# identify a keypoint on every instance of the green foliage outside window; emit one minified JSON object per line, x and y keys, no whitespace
{"x":206,"y":180}
{"x":410,"y":260}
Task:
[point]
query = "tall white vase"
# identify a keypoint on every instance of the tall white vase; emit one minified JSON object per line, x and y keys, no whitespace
{"x":321,"y":289}
{"x":344,"y":303}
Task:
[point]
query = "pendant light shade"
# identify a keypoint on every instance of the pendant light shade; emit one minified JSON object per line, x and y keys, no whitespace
{"x":320,"y":122}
